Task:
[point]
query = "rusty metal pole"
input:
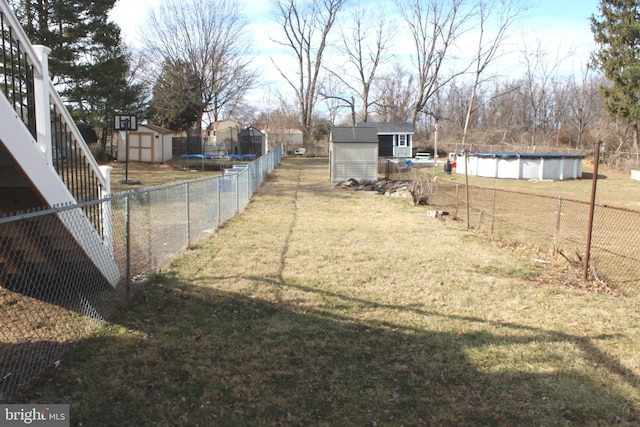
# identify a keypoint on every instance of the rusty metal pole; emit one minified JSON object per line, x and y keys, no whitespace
{"x":594,"y":182}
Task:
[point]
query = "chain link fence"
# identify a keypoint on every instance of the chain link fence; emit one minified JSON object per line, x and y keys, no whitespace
{"x":555,"y":226}
{"x":53,"y":293}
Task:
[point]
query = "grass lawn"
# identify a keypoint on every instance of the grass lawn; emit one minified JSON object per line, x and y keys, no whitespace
{"x":152,"y":175}
{"x":322,"y":306}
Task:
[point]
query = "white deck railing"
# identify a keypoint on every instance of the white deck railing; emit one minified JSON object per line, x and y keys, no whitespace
{"x":45,"y":98}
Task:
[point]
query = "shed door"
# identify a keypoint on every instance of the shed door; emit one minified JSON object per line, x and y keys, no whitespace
{"x":141,"y":147}
{"x":146,"y":147}
{"x":385,"y":145}
{"x":134,"y":147}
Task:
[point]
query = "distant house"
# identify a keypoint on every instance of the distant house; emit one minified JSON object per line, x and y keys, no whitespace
{"x":222,"y":136}
{"x":251,"y":141}
{"x":353,"y":153}
{"x":396,"y":138}
{"x":291,"y":138}
{"x":149,"y":144}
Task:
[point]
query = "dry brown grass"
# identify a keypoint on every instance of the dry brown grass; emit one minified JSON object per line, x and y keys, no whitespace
{"x":554,"y":217}
{"x":321,"y":306}
{"x":153,"y":174}
{"x":614,"y":188}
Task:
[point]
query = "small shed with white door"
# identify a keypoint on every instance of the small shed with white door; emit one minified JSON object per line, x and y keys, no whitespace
{"x":148,"y":144}
{"x":353,"y":153}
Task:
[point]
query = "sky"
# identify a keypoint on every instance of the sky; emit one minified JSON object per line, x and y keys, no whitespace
{"x":564,"y":22}
{"x":558,"y":25}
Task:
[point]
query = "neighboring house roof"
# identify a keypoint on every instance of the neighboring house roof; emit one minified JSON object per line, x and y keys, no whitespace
{"x":389,"y":127}
{"x":157,"y":129}
{"x":223,"y":124}
{"x":354,"y":134}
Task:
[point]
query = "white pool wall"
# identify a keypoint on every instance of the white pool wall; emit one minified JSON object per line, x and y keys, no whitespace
{"x":555,"y":167}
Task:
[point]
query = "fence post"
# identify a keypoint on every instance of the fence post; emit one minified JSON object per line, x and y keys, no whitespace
{"x":237,"y":188}
{"x":466,"y":184}
{"x":127,"y":221}
{"x":249,"y":191}
{"x":594,"y":182}
{"x":556,"y":236}
{"x":187,"y":214}
{"x":218,"y":184}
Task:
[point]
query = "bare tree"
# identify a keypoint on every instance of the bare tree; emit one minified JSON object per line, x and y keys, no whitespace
{"x":503,"y":111}
{"x":435,"y":25}
{"x":584,"y":100}
{"x":394,"y":96}
{"x":334,"y":103}
{"x":306,"y":29}
{"x":365,"y":46}
{"x":539,"y":75}
{"x":207,"y":38}
{"x":498,"y":14}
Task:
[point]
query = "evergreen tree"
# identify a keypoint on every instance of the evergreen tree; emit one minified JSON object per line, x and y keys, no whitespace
{"x":174,"y":92}
{"x":88,"y":63}
{"x":617,"y":31}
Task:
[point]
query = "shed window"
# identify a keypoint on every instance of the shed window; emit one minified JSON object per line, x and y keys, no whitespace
{"x":402,"y":140}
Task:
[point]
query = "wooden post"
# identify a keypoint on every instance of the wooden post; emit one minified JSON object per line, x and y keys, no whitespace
{"x":594,"y":182}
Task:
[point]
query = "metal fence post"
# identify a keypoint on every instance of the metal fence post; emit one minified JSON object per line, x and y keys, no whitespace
{"x":249,"y":191}
{"x":187,"y":214}
{"x":127,"y":220}
{"x":218,"y":182}
{"x":594,"y":183}
{"x":237,"y":175}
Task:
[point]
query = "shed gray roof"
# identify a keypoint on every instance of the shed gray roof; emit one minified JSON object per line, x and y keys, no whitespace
{"x":389,"y":127}
{"x":354,"y":134}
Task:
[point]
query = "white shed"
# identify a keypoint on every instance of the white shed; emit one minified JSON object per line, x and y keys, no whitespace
{"x":149,"y":144}
{"x":353,"y":153}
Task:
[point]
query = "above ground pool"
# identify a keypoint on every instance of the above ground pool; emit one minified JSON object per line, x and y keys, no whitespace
{"x":522,"y":165}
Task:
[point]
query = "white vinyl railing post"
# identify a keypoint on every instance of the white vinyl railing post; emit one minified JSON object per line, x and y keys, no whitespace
{"x":106,"y":217}
{"x":41,"y":89}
